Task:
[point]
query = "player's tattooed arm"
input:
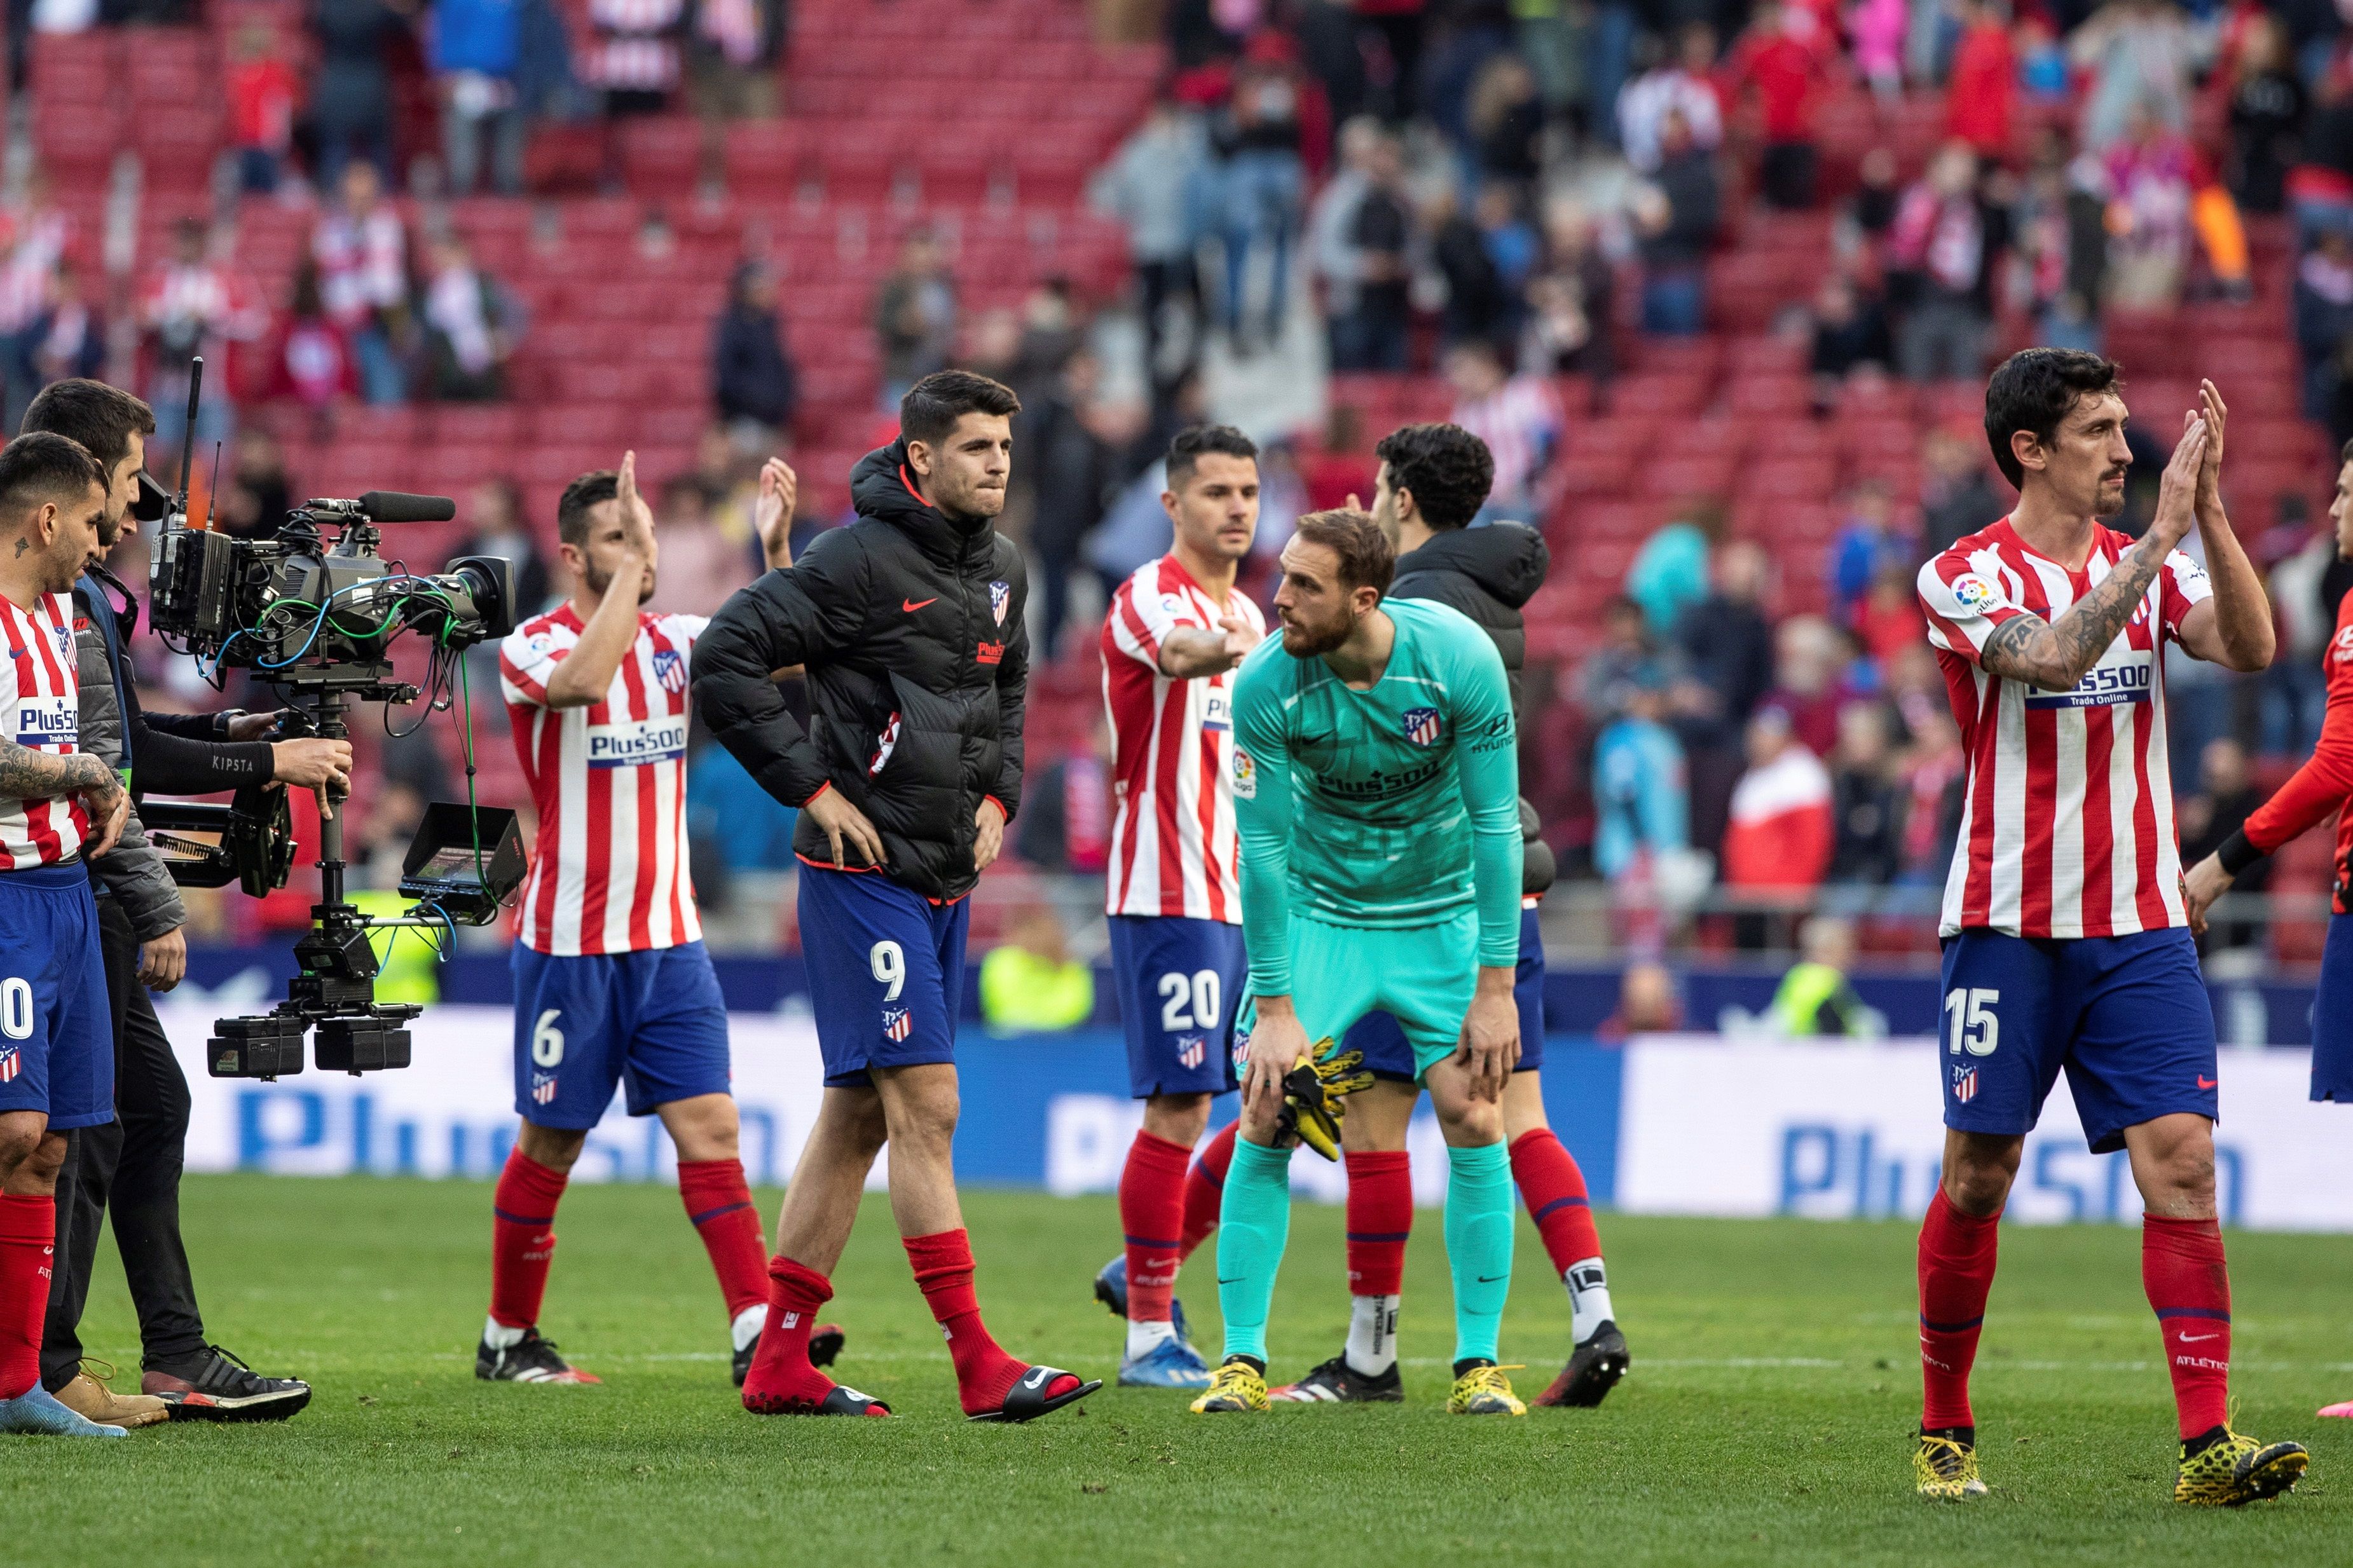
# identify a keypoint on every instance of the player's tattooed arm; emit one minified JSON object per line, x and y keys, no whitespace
{"x":28,"y":774}
{"x":2055,"y":654}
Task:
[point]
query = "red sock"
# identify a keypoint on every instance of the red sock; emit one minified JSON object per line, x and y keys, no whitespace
{"x":1554,"y":1189}
{"x":2181,"y":1268}
{"x":985,"y":1374}
{"x":29,"y":1235}
{"x":523,"y":1239}
{"x":1380,"y":1218}
{"x":1151,"y":1216}
{"x":1957,"y":1259}
{"x":720,"y":1204}
{"x":1205,"y":1189}
{"x":782,"y":1380}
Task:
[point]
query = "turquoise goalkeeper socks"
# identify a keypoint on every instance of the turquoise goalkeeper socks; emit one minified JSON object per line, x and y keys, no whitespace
{"x":1253,"y":1224}
{"x":1478,"y":1244}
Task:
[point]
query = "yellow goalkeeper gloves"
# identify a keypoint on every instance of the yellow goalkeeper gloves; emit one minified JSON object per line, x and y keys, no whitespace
{"x":1313,"y":1095}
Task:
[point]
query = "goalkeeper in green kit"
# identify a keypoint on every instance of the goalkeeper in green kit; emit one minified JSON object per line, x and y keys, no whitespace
{"x":1377,"y":791}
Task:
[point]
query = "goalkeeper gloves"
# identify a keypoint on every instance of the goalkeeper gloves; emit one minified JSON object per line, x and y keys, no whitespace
{"x":1313,"y":1096}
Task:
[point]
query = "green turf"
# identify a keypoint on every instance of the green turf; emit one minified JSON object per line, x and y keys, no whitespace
{"x":1765,"y":1421}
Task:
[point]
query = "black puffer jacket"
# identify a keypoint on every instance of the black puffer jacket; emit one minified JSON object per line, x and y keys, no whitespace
{"x":910,"y":627}
{"x":1489,"y":573}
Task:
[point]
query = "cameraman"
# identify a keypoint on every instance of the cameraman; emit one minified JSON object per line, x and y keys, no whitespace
{"x":133,"y":1165}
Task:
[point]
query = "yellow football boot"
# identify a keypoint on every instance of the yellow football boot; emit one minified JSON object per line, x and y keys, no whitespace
{"x":1238,"y":1384}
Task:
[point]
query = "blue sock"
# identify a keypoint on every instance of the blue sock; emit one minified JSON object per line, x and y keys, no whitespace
{"x":1253,"y":1226}
{"x":1479,"y":1245}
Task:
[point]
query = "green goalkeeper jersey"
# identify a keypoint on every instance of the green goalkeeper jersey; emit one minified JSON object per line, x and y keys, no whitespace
{"x":1394,"y":806}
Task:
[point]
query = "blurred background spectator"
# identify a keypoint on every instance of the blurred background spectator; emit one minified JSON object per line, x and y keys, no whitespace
{"x":752,"y":379}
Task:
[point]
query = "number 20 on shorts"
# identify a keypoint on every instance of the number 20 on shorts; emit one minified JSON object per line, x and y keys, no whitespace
{"x":1974,"y":1027}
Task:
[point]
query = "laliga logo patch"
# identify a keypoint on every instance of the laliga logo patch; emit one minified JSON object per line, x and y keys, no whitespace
{"x":999,"y":595}
{"x":1245,"y":776}
{"x":1423,"y":726}
{"x":898,"y":1023}
{"x":670,"y":670}
{"x":1972,"y":592}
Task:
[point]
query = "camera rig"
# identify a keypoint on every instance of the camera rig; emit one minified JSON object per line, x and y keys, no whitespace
{"x":314,"y":618}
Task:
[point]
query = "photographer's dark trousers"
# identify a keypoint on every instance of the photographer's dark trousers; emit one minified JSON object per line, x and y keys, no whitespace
{"x":132,"y":1166}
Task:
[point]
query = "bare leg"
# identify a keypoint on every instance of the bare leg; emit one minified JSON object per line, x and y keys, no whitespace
{"x":821,"y":1204}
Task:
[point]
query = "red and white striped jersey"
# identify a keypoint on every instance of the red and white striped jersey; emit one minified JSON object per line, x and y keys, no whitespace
{"x":42,"y":710}
{"x":2067,"y":827}
{"x":1172,"y":835}
{"x":608,"y":870}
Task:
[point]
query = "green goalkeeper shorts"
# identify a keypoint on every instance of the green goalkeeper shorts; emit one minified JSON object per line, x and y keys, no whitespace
{"x":1423,"y":976}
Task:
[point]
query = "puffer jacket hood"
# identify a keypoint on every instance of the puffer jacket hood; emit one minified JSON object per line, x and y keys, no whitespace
{"x":883,"y":488}
{"x":1506,"y":560}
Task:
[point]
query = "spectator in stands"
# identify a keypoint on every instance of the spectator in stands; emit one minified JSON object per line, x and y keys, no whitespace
{"x":1065,"y":821}
{"x":1815,"y":998}
{"x":1850,"y":337}
{"x":1887,"y":620}
{"x":1811,"y":660}
{"x":1624,"y":651}
{"x":1376,"y":255}
{"x":1072,"y":472}
{"x":2267,"y":106}
{"x":701,"y":565}
{"x":1638,"y":781}
{"x":2319,"y":186}
{"x":1569,"y":314}
{"x":2225,"y":797}
{"x":1982,"y":92}
{"x":27,"y":278}
{"x":1935,"y":772}
{"x":1867,"y":543}
{"x":2324,"y":322}
{"x":2061,"y":228}
{"x":257,"y":495}
{"x":1683,"y":85}
{"x":350,"y":91}
{"x":495,"y":526}
{"x":1671,"y":570}
{"x":1262,"y":185}
{"x":1879,"y":28}
{"x":1780,"y":833}
{"x":191,"y":305}
{"x":2139,"y":54}
{"x":1957,"y":497}
{"x":632,"y":57}
{"x":476,"y":56}
{"x":914,"y":315}
{"x":263,"y":92}
{"x":472,"y":323}
{"x":1945,"y":240}
{"x":362,"y":252}
{"x":313,"y":362}
{"x":1780,"y":57}
{"x":1514,"y":246}
{"x":1030,"y":983}
{"x":1725,"y":636}
{"x":1506,"y":119}
{"x":1476,"y":300}
{"x":752,"y":380}
{"x":1870,"y":210}
{"x":68,"y":337}
{"x":1156,"y":184}
{"x":1676,"y":212}
{"x":2297,"y":686}
{"x":1647,"y":1004}
{"x":2148,"y":213}
{"x":1519,"y":417}
{"x":731,"y":60}
{"x":1867,"y":800}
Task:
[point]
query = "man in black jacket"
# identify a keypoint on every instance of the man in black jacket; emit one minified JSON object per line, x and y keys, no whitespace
{"x":1433,"y":479}
{"x":133,"y":1165}
{"x":908,"y":625}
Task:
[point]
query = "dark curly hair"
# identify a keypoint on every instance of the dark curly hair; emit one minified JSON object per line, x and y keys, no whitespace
{"x":1448,"y":470}
{"x":2033,"y":389}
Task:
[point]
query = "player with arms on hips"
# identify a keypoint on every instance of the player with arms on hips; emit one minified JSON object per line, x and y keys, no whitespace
{"x":58,"y":806}
{"x":1175,"y":630}
{"x":612,"y":985}
{"x":1376,"y":784}
{"x":2324,"y":783}
{"x":2066,"y":940}
{"x":907,"y":624}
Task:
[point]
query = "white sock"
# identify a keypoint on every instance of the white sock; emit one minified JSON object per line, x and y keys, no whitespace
{"x":1372,"y":1334}
{"x":1588,"y":1299}
{"x":1142,"y":1336}
{"x":497,"y":1336}
{"x":748,"y":1324}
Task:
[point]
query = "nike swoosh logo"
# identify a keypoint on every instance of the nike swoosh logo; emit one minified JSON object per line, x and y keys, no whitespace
{"x":2198,"y":1339}
{"x":912,"y":606}
{"x":1235,"y":1281}
{"x":1037,"y":1377}
{"x":1490,"y":1279}
{"x":2205,"y":1082}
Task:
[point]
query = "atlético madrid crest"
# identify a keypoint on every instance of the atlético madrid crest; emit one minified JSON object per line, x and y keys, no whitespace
{"x":999,"y":595}
{"x":1965,"y":1085}
{"x":670,"y":669}
{"x":1423,"y":726}
{"x":898,"y":1023}
{"x":12,"y":1061}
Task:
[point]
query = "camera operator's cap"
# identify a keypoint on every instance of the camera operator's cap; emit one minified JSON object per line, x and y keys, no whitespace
{"x":155,"y":502}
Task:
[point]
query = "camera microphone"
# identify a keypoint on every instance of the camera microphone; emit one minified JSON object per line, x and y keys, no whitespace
{"x":394,"y":506}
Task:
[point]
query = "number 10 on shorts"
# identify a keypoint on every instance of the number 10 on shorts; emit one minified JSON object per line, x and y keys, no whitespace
{"x":1973,"y":1028}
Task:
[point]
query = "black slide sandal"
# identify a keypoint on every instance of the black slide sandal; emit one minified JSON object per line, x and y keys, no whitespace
{"x":1027,"y":1401}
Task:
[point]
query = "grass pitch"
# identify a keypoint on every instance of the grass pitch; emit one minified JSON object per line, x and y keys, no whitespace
{"x":1775,"y":1382}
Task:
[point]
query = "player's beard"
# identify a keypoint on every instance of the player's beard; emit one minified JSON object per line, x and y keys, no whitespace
{"x":2107,"y":502}
{"x":1300,"y":642}
{"x":600,"y":581}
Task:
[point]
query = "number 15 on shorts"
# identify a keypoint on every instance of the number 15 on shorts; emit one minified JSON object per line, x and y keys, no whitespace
{"x":1972,"y":1025}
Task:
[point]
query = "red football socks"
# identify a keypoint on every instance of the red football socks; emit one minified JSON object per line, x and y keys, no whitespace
{"x":1151,"y":1216}
{"x":28,"y":1234}
{"x":1205,"y":1189}
{"x":2181,"y":1268}
{"x":523,"y":1239}
{"x":985,"y":1374}
{"x":719,"y":1202}
{"x":1554,"y":1189}
{"x":1956,"y":1262}
{"x":781,"y":1380}
{"x":1380,"y":1219}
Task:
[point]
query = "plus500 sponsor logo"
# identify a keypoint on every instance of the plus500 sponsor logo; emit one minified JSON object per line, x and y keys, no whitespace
{"x":636,"y":743}
{"x":2102,"y":688}
{"x":47,"y":720}
{"x":1867,"y":1173}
